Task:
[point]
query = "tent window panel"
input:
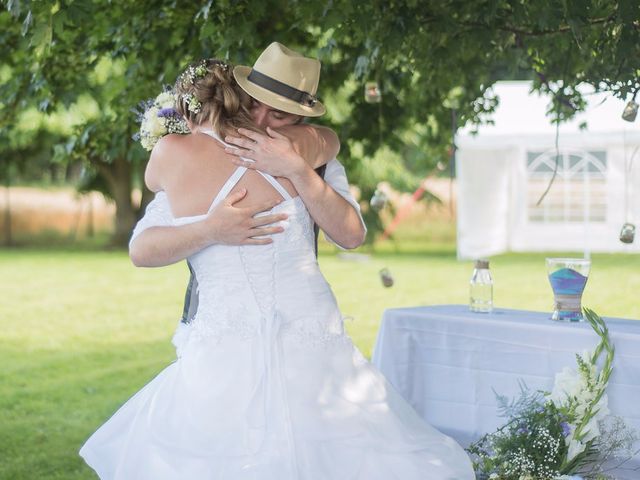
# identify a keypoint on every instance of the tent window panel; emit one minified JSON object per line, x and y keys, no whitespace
{"x":574,"y":161}
{"x":579,"y":190}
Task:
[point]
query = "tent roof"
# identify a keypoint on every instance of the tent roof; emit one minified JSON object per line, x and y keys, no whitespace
{"x":521,"y":113}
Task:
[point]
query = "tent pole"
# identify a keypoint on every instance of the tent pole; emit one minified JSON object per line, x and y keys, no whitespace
{"x":586,"y":212}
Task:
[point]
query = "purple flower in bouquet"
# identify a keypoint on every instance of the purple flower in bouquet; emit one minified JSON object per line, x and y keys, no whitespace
{"x":168,"y":112}
{"x":160,"y":118}
{"x":570,"y":430}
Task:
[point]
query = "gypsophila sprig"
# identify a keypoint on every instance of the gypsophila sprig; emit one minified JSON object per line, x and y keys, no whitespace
{"x":193,"y":104}
{"x":563,"y":434}
{"x":158,"y":117}
{"x":192,"y":73}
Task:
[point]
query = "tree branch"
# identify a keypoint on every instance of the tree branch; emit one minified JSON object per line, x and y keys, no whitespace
{"x":536,"y":33}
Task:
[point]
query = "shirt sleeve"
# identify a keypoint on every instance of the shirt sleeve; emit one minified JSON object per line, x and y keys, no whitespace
{"x":157,"y":214}
{"x":336,"y":177}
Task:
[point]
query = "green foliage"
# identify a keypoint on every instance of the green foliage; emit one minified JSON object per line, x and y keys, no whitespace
{"x":429,"y":58}
{"x":533,"y":433}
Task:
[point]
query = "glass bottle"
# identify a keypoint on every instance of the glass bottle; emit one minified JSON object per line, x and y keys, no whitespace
{"x":481,"y":288}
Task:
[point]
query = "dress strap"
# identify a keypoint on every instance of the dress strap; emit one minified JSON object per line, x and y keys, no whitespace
{"x":228,"y":186}
{"x":275,"y":184}
{"x":281,"y":190}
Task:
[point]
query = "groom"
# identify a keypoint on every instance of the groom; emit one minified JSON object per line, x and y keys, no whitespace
{"x":282,"y":84}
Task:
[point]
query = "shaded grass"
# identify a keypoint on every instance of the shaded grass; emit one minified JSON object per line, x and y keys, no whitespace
{"x":80,"y":332}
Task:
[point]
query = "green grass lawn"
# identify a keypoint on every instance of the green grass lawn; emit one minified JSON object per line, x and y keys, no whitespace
{"x":81,"y":331}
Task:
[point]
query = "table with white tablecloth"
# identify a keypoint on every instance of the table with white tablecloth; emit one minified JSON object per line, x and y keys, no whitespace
{"x":449,"y":363}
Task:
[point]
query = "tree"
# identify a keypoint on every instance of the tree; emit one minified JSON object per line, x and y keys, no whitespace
{"x":428,"y":57}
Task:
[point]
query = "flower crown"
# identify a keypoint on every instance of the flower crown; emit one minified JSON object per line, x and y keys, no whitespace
{"x":158,"y":117}
{"x":193,"y":73}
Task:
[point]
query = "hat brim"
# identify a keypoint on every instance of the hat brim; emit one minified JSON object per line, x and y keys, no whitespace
{"x":241,"y":72}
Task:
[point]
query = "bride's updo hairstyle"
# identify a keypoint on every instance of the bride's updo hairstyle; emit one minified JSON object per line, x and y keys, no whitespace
{"x":207,"y":94}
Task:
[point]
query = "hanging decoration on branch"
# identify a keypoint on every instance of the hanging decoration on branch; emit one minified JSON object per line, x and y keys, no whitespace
{"x":630,"y":111}
{"x":386,"y":278}
{"x":372,"y":93}
{"x":628,"y":231}
{"x":379,"y":200}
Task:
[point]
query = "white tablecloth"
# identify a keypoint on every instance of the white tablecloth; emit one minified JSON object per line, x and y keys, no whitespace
{"x":447,"y":362}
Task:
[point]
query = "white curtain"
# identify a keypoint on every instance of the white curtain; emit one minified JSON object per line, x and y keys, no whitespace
{"x":483,"y":180}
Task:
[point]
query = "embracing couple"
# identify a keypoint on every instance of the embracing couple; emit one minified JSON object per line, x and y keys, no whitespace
{"x":266,"y":384}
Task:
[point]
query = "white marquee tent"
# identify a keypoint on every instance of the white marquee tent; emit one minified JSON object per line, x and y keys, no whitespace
{"x":504,"y":169}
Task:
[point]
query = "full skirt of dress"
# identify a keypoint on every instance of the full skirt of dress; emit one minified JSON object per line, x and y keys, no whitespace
{"x":323,"y":413}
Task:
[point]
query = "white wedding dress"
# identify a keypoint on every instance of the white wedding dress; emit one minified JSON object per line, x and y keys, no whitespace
{"x":267,"y":385}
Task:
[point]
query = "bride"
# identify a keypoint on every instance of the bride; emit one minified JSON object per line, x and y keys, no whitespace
{"x":266,"y":384}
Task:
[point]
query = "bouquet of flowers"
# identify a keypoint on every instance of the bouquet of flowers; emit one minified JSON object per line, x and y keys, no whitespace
{"x":563,"y":434}
{"x":158,"y":117}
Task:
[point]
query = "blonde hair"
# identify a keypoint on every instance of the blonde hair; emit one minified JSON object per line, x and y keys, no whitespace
{"x":221,"y":103}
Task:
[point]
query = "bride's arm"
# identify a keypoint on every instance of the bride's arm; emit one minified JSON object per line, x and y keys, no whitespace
{"x":316,"y":144}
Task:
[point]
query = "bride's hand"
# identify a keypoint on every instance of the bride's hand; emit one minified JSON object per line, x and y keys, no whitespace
{"x":231,"y":225}
{"x":273,"y":153}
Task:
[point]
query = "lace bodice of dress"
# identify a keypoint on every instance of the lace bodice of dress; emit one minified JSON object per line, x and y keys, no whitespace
{"x":266,"y":291}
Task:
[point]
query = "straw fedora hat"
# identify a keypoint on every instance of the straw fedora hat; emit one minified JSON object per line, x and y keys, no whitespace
{"x":283,"y":79}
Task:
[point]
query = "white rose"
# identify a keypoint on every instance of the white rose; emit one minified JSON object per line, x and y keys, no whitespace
{"x":156,"y":126}
{"x":165,"y":100}
{"x":148,"y":142}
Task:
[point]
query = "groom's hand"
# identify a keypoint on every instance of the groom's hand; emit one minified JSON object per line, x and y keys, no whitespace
{"x":273,"y":153}
{"x":231,"y":225}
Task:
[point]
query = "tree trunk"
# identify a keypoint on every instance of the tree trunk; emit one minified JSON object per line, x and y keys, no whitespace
{"x":8,"y":237}
{"x":118,"y":175}
{"x":147,"y":196}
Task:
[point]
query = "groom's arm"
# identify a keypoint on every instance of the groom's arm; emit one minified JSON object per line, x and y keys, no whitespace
{"x":281,"y":154}
{"x":331,"y":207}
{"x":336,"y":177}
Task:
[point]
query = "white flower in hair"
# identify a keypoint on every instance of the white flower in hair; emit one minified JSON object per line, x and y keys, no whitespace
{"x":193,"y":104}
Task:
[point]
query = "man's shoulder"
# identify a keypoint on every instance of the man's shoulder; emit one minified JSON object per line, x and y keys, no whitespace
{"x":334,"y":171}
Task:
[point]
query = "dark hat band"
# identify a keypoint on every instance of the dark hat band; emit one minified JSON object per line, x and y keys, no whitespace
{"x":276,"y":86}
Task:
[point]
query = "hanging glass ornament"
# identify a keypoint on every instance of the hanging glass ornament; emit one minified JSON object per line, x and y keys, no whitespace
{"x":627,"y":233}
{"x":372,"y":93}
{"x":379,"y":200}
{"x":385,"y":276}
{"x":630,"y":111}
